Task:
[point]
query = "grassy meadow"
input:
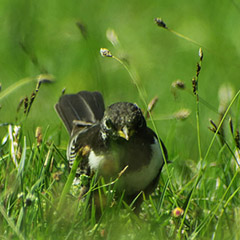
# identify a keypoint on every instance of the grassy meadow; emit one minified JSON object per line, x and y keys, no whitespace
{"x":189,"y":59}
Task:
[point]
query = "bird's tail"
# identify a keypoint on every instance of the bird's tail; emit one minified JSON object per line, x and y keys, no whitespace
{"x":81,"y":108}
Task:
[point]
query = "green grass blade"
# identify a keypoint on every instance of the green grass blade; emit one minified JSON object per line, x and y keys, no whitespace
{"x":15,"y":86}
{"x":11,"y":223}
{"x":220,"y":124}
{"x":68,"y":184}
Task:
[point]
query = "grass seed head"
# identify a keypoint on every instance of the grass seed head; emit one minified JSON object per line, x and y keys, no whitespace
{"x":151,"y":105}
{"x":178,"y":84}
{"x":225,"y":95}
{"x":200,"y":54}
{"x":38,"y":135}
{"x":44,"y":78}
{"x":112,"y":37}
{"x":63,"y":91}
{"x":194,"y":85}
{"x":25,"y":104}
{"x":182,"y":114}
{"x":20,"y":104}
{"x":198,"y":69}
{"x":56,"y":175}
{"x":105,"y":52}
{"x":160,"y":22}
{"x":214,"y":127}
{"x":32,"y":98}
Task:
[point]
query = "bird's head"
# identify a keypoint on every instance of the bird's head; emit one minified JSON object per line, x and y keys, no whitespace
{"x":122,"y":120}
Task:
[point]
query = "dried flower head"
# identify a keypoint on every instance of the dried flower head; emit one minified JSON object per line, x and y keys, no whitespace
{"x":38,"y":135}
{"x":151,"y":105}
{"x":182,"y":114}
{"x":112,"y":37}
{"x":105,"y":52}
{"x":178,"y":84}
{"x":225,"y":95}
{"x":160,"y":22}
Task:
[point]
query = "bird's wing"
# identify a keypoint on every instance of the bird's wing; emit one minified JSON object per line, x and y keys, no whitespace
{"x":80,"y":110}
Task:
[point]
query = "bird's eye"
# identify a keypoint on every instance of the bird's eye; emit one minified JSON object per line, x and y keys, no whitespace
{"x":109,"y":124}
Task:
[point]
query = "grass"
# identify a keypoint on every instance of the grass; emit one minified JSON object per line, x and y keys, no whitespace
{"x":198,"y":193}
{"x":35,"y":200}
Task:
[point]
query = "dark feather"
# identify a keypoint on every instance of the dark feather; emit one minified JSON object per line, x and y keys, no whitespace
{"x":84,"y":106}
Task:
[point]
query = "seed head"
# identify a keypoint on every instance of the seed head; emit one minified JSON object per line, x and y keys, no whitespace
{"x":182,"y":114}
{"x":20,"y":104}
{"x":178,"y":84}
{"x":38,"y":135}
{"x":112,"y":37}
{"x":198,"y":69}
{"x":151,"y":105}
{"x":160,"y":23}
{"x":225,"y":95}
{"x":63,"y":91}
{"x":200,"y":53}
{"x":44,"y":78}
{"x":214,"y":127}
{"x":194,"y":85}
{"x":25,"y":104}
{"x":56,"y":176}
{"x":105,"y":52}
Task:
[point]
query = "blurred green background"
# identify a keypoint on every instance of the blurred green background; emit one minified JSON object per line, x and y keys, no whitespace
{"x":49,"y":34}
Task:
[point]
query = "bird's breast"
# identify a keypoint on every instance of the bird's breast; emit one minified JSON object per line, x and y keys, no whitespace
{"x":141,"y":171}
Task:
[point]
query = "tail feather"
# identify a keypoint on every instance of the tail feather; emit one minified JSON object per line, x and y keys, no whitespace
{"x":84,"y":106}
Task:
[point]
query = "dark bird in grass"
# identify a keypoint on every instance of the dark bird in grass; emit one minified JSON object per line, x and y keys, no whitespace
{"x":110,"y":140}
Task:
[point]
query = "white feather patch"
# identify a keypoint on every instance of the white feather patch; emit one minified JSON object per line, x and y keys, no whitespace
{"x":139,"y":179}
{"x":95,"y":161}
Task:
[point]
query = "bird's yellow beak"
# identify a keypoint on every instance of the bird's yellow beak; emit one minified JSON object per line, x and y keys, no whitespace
{"x":124,"y":133}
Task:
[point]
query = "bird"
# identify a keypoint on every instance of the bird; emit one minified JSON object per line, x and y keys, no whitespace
{"x":112,"y":141}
